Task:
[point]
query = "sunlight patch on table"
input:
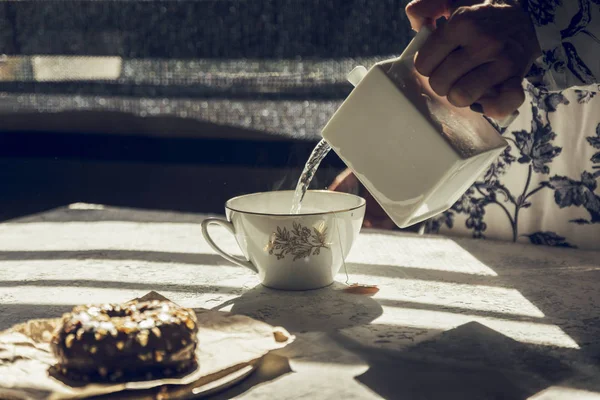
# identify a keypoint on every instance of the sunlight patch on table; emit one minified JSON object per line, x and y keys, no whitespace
{"x":526,"y":332}
{"x":565,"y":393}
{"x":122,"y":271}
{"x":64,"y":295}
{"x":86,"y":206}
{"x":109,"y":235}
{"x":448,"y":294}
{"x":441,"y":254}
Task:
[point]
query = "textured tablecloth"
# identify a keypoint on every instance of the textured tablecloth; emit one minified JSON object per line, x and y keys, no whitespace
{"x":454,"y":318}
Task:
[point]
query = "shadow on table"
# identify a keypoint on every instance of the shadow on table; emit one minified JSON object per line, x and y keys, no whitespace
{"x":327,"y":309}
{"x":16,"y":313}
{"x":471,"y":361}
{"x":270,"y":368}
{"x":562,"y":284}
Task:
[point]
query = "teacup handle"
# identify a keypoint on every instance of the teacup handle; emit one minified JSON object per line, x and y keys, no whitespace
{"x":229,"y":226}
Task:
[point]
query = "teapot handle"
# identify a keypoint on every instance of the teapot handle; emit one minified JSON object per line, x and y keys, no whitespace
{"x":358,"y":73}
{"x":415,"y":44}
{"x":399,"y":66}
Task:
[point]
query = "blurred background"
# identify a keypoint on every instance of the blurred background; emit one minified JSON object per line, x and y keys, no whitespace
{"x":175,"y":105}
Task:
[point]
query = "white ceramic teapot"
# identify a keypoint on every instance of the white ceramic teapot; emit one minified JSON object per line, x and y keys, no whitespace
{"x":413,"y":151}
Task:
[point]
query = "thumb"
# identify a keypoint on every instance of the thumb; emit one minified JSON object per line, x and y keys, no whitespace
{"x":426,"y":12}
{"x":509,"y":98}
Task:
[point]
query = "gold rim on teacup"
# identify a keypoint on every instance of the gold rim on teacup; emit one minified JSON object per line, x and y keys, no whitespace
{"x":362,"y":204}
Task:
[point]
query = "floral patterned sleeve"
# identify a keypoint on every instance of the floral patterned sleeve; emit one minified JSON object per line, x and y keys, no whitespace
{"x":569,"y":35}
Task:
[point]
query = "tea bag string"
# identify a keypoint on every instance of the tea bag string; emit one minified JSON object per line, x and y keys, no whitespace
{"x":337,"y":228}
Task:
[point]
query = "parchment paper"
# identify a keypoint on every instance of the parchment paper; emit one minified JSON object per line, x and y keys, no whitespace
{"x":227,"y":343}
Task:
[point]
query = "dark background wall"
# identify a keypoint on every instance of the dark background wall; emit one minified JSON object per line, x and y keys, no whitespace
{"x":215,"y":98}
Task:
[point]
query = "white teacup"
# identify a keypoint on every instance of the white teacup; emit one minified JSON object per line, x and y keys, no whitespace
{"x":291,"y":251}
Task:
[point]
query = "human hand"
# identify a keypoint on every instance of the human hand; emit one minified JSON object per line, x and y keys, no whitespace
{"x":375,"y":217}
{"x":480,"y":56}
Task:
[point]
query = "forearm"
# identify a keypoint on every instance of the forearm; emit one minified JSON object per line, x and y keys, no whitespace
{"x":569,"y":42}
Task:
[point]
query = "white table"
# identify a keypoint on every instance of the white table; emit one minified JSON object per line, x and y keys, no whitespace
{"x":454,"y":318}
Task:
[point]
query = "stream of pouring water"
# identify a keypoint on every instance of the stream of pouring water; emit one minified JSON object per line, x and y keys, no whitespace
{"x":317,"y":155}
{"x":310,"y":168}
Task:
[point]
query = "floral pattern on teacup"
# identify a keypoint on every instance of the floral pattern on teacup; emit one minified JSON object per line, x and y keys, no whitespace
{"x":299,"y":242}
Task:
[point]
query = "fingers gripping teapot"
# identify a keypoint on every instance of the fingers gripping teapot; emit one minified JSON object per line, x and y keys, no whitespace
{"x":414,"y":152}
